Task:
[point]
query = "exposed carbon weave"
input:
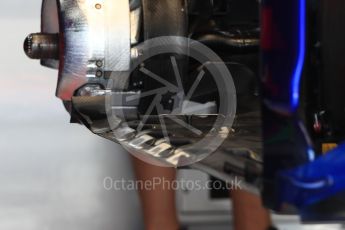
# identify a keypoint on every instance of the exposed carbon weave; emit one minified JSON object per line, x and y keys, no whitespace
{"x":164,"y":18}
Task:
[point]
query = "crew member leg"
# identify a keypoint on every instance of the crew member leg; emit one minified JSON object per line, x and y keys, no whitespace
{"x":159,"y":204}
{"x":249,"y":213}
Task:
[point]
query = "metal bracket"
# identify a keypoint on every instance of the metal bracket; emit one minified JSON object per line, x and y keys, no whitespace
{"x":95,"y":37}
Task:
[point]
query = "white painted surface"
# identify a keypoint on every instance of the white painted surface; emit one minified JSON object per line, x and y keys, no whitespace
{"x":51,"y":172}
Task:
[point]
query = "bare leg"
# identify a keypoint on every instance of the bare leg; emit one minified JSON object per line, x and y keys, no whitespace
{"x":249,"y":214}
{"x":159,"y":205}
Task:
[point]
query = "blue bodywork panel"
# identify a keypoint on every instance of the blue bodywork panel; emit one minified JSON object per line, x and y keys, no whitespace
{"x":293,"y":175}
